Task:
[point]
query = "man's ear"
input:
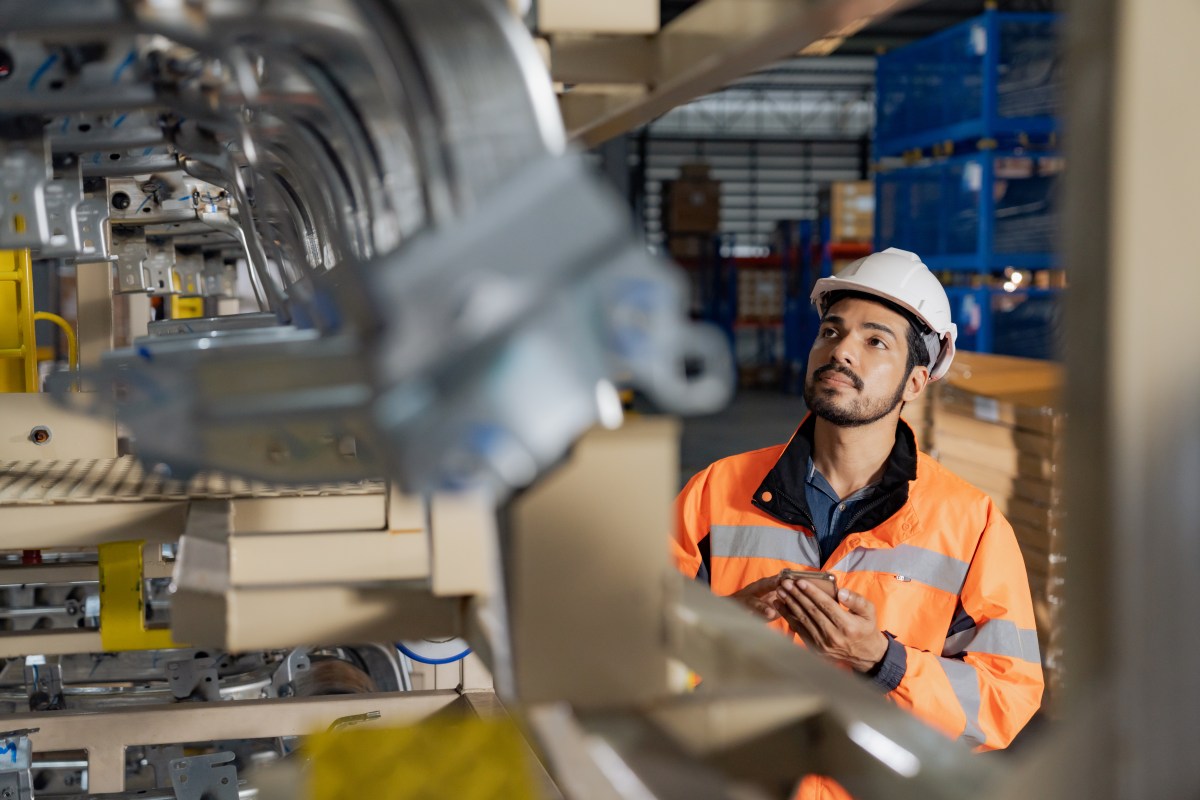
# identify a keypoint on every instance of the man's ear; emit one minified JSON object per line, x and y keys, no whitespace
{"x":918,"y":379}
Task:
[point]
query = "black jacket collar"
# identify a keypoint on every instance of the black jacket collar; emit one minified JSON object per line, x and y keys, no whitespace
{"x":781,"y":493}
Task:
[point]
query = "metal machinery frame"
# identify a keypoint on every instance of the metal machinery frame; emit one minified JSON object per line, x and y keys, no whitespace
{"x":392,"y":173}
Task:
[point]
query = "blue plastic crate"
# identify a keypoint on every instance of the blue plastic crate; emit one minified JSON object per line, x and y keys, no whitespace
{"x":997,"y":76}
{"x":1025,"y":322}
{"x":979,"y":212}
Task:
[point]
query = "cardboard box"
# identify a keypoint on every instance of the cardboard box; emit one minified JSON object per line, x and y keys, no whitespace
{"x":1008,"y":379}
{"x":1039,"y":518}
{"x":991,"y":435}
{"x":692,"y":206}
{"x":760,"y":294}
{"x":850,"y":206}
{"x":1032,"y":411}
{"x":690,"y":247}
{"x":611,"y":16}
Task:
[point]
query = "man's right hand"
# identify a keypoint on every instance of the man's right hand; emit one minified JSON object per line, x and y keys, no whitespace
{"x":760,"y":597}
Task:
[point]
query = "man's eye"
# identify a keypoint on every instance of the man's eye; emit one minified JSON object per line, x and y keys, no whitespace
{"x":828,"y":333}
{"x":877,"y":342}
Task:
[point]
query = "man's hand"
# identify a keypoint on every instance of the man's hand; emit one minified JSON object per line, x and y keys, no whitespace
{"x":850,"y":634}
{"x":761,"y":597}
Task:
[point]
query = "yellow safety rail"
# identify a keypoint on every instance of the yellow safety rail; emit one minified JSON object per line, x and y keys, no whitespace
{"x":18,"y":349}
{"x":68,"y":331}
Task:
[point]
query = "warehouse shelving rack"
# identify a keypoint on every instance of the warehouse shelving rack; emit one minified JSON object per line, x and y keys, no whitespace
{"x":978,"y":212}
{"x":994,"y":78}
{"x":973,"y":111}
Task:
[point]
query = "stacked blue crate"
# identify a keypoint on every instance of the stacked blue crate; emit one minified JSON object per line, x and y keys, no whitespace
{"x":979,"y":212}
{"x":1021,"y":322}
{"x":994,"y":77}
{"x":988,"y":90}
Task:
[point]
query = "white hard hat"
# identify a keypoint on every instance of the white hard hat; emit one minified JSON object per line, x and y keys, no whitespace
{"x":901,"y":277}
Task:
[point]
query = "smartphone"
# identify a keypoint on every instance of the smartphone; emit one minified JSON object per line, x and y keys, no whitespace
{"x":827,"y":581}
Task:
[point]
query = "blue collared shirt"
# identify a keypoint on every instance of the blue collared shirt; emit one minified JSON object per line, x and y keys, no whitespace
{"x":831,"y":515}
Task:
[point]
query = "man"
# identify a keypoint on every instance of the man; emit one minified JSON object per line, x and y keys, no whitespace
{"x":933,"y":604}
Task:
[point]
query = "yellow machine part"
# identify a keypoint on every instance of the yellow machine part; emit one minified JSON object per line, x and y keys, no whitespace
{"x":18,"y":349}
{"x":472,"y":759}
{"x":185,"y":307}
{"x":123,"y":603}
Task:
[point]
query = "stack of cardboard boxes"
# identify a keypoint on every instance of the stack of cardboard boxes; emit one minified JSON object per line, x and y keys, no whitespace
{"x":997,"y":423}
{"x":760,"y":294}
{"x":691,"y":213}
{"x":919,"y":416}
{"x":850,"y":206}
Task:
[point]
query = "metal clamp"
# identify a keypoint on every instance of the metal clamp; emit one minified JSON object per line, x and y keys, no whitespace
{"x":43,"y":683}
{"x":283,"y":682}
{"x":192,"y":677}
{"x":207,"y":777}
{"x":16,"y":759}
{"x":159,"y":758}
{"x":24,"y":174}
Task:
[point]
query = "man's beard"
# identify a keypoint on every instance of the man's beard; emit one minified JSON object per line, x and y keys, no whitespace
{"x":859,"y":412}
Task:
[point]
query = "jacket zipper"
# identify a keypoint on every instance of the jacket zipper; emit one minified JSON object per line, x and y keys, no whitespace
{"x":863,"y":511}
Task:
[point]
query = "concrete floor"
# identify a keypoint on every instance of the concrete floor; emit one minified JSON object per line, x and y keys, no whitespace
{"x":756,"y":418}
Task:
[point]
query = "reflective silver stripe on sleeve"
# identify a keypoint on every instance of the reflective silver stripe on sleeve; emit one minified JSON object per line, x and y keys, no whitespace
{"x":965,"y":682}
{"x":926,"y":566}
{"x":997,"y":637}
{"x":956,"y":643}
{"x":762,"y":541}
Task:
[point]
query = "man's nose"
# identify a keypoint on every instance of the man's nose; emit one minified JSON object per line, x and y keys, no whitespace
{"x":843,"y":352}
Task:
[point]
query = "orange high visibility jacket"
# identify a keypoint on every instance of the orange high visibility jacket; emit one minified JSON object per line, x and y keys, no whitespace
{"x":932,"y":552}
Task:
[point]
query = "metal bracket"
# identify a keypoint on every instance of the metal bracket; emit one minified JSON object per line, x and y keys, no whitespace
{"x":16,"y":759}
{"x":24,"y":173}
{"x":159,"y":757}
{"x":131,"y":253}
{"x":62,"y":198}
{"x":189,"y":268}
{"x":284,"y":679}
{"x":194,"y":676}
{"x":219,"y":276}
{"x":48,"y":214}
{"x":92,"y":216}
{"x":207,"y":777}
{"x":159,"y":267}
{"x":43,"y":683}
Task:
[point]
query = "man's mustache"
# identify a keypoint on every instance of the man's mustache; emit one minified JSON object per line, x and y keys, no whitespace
{"x":839,"y":369}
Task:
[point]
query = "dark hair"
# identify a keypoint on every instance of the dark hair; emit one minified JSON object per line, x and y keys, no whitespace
{"x":918,"y":353}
